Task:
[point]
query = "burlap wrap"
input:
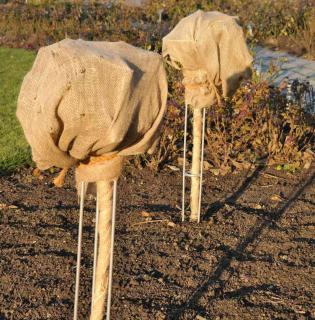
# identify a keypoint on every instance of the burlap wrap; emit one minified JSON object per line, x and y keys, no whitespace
{"x":211,"y":50}
{"x":99,"y":168}
{"x":84,"y":99}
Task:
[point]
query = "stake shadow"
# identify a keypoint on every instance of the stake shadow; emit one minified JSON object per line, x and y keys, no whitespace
{"x":218,"y":205}
{"x":305,"y":240}
{"x":153,"y":208}
{"x":252,"y":236}
{"x":32,"y":252}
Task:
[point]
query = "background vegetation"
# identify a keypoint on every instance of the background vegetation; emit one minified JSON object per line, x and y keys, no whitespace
{"x":14,"y":150}
{"x":289,"y":24}
{"x":257,"y":126}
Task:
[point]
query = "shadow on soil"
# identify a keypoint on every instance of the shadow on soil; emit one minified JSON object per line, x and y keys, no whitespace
{"x":268,"y":219}
{"x":218,"y":205}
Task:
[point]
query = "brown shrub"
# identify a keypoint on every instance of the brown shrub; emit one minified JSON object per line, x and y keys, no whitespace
{"x":258,"y":126}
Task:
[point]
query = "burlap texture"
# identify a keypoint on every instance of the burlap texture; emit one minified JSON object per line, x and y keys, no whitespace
{"x":211,"y":50}
{"x":84,"y":99}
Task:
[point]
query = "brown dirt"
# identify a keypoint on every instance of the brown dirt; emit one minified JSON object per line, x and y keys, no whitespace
{"x":250,"y":258}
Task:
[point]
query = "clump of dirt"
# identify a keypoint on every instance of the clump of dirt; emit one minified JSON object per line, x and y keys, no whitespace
{"x":251,"y":257}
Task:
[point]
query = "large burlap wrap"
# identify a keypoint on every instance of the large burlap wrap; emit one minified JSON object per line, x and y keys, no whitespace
{"x":210,"y":48}
{"x":84,"y":99}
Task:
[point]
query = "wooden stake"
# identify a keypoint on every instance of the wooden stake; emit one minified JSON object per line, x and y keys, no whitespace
{"x":195,"y":170}
{"x":105,"y":195}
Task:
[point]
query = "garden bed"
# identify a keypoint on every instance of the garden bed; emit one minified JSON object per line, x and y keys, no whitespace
{"x":251,"y":257}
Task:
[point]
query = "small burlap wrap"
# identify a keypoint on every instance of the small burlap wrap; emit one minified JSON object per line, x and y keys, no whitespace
{"x":85,"y":99}
{"x":211,"y":50}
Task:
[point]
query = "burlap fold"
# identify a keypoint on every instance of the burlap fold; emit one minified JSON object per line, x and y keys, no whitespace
{"x":84,"y":99}
{"x":211,"y":50}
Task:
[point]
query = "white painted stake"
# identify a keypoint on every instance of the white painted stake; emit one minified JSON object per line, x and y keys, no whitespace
{"x":184,"y":164}
{"x":111,"y":262}
{"x":95,"y":251}
{"x":78,"y":266}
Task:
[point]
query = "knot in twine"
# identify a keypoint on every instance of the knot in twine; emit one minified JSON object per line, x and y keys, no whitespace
{"x":200,"y":90}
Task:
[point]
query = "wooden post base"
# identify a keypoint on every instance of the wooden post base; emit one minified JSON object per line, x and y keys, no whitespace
{"x":195,"y":170}
{"x":105,"y":202}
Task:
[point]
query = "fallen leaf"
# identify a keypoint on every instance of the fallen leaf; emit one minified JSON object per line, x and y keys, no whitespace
{"x":180,"y":161}
{"x":206,"y":166}
{"x":159,"y":315}
{"x":173,"y":168}
{"x":36,"y":173}
{"x":145,"y":214}
{"x":257,"y":206}
{"x":276,"y":197}
{"x":5,"y":206}
{"x":307,"y":165}
{"x":171,"y":224}
{"x":216,"y":172}
{"x":228,"y":208}
{"x":310,"y":153}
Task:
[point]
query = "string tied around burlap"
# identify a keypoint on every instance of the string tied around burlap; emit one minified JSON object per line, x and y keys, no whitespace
{"x":107,"y":167}
{"x":100,"y":168}
{"x":200,"y":90}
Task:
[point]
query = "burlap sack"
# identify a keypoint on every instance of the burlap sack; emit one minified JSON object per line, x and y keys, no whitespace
{"x":210,"y":48}
{"x":84,"y":99}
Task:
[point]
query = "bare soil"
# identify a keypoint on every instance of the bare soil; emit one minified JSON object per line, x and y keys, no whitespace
{"x":251,"y":257}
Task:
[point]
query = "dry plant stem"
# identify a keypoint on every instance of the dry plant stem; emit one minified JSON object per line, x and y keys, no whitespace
{"x":104,"y":194}
{"x":184,"y":163}
{"x":150,"y":221}
{"x":195,"y":170}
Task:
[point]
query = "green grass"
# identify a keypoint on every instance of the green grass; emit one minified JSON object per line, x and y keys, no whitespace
{"x":14,"y":150}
